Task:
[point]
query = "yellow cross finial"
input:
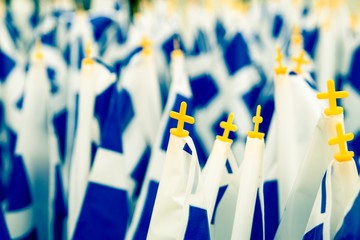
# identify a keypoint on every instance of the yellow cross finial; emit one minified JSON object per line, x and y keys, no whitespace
{"x":228,"y":127}
{"x":280,"y":69}
{"x":299,"y":61}
{"x":146,"y":45}
{"x":88,"y":52}
{"x":332,"y":96}
{"x":296,"y":38}
{"x":177,"y":51}
{"x":38,"y":50}
{"x":182,"y":118}
{"x":257,"y":119}
{"x":342,"y":139}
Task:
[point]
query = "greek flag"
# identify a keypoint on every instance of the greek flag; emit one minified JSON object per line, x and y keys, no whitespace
{"x":132,"y":124}
{"x":97,"y":84}
{"x":339,"y":186}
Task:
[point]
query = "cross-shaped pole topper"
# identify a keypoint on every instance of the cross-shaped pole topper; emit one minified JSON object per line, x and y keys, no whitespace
{"x":332,"y":96}
{"x":342,"y":139}
{"x":228,"y":127}
{"x":280,"y":69}
{"x":299,"y":61}
{"x":257,"y":119}
{"x":297,"y":38}
{"x":88,"y":52}
{"x":177,"y":51}
{"x":182,"y":118}
{"x":146,"y":45}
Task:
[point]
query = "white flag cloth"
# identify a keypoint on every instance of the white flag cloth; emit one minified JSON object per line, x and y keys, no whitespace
{"x":340,"y":185}
{"x":308,"y":180}
{"x":169,"y":213}
{"x":33,"y":141}
{"x":121,"y":161}
{"x":219,"y":183}
{"x":250,"y":185}
{"x":95,"y":87}
{"x":179,"y":91}
{"x":296,"y":116}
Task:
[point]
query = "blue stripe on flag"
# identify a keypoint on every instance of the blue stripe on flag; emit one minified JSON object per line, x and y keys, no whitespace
{"x":323,"y":194}
{"x":49,"y":38}
{"x":54,"y":88}
{"x":31,"y":236}
{"x":7,"y":65}
{"x":310,"y":41}
{"x":315,"y":234}
{"x":20,"y":102}
{"x":204,"y":90}
{"x":99,"y":25}
{"x":220,"y":33}
{"x":219,"y":196}
{"x":60,"y":125}
{"x":197,"y":226}
{"x":104,"y":215}
{"x":257,"y":226}
{"x":120,"y":114}
{"x":277,"y":25}
{"x":60,"y":211}
{"x":143,"y":227}
{"x":140,"y":170}
{"x":350,"y":228}
{"x":19,"y":192}
{"x":354,"y":74}
{"x":102,"y":103}
{"x":201,"y":44}
{"x":236,"y":54}
{"x":271,"y":202}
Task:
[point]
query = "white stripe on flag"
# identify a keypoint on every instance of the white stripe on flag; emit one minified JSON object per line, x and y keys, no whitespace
{"x":104,"y":175}
{"x":20,"y":222}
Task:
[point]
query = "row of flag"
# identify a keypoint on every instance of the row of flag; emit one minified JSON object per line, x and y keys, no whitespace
{"x":156,"y":128}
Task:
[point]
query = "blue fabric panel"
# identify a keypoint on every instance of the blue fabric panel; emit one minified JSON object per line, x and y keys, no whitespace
{"x":120,"y":114}
{"x":198,"y":225}
{"x":204,"y":90}
{"x":104,"y":215}
{"x":271,"y":202}
{"x":236,"y":54}
{"x":19,"y":192}
{"x":314,"y":234}
{"x":350,"y":228}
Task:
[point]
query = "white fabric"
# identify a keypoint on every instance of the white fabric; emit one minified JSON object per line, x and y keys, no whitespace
{"x":308,"y":180}
{"x":250,"y":181}
{"x":80,"y":164}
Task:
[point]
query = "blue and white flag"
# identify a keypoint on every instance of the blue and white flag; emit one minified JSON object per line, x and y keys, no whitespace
{"x":288,"y":139}
{"x":340,"y":185}
{"x":308,"y":180}
{"x":4,"y":234}
{"x":121,"y":161}
{"x":350,"y":227}
{"x":179,"y":91}
{"x":97,"y":84}
{"x":250,"y":191}
{"x":32,"y":149}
